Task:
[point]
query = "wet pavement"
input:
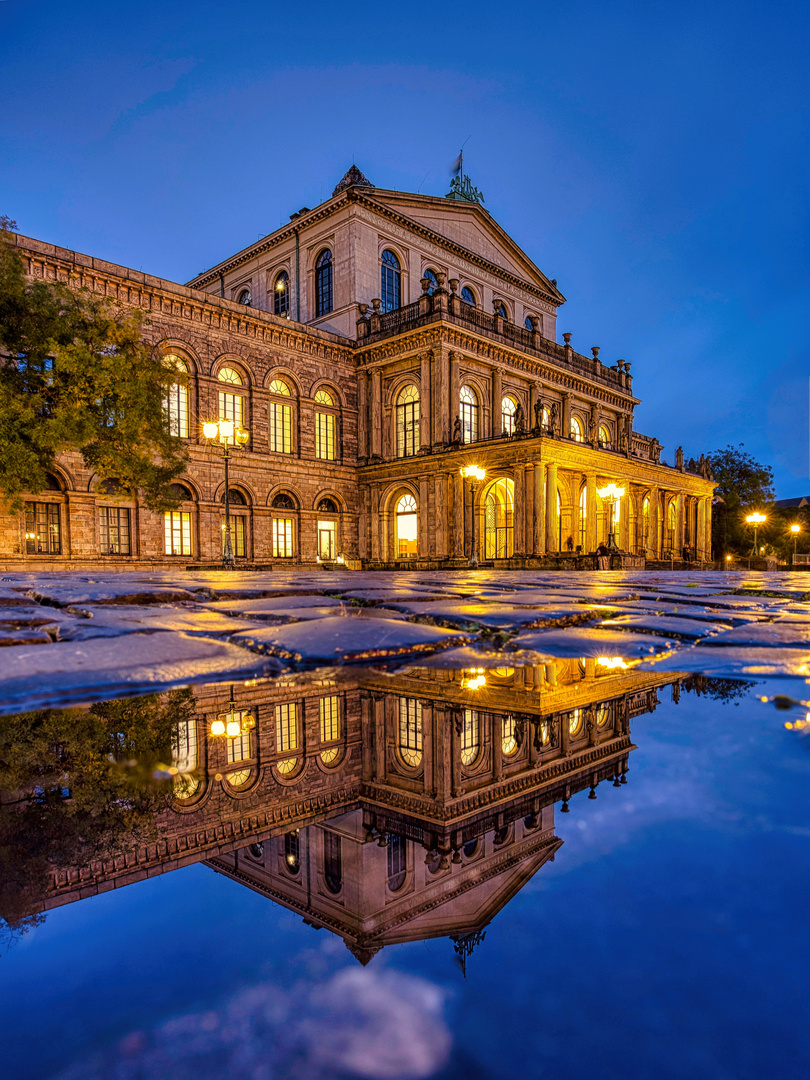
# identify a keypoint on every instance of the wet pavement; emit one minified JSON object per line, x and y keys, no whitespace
{"x":342,"y":825}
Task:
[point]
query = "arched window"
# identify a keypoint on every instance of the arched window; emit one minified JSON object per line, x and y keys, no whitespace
{"x":330,"y":728}
{"x":500,"y":309}
{"x":508,"y":410}
{"x":499,"y":526}
{"x":583,"y":516}
{"x":545,"y":420}
{"x":390,"y":281}
{"x":238,"y":523}
{"x":292,"y":852}
{"x":407,"y":528}
{"x":604,"y":437}
{"x":325,"y":443}
{"x":287,"y":735}
{"x":470,"y":737}
{"x":282,"y":527}
{"x":409,"y":741}
{"x":176,"y":401}
{"x":672,"y":522}
{"x":468,"y":296}
{"x":407,"y":421}
{"x":184,"y":758}
{"x":645,"y":524}
{"x":245,"y":297}
{"x":509,"y":736}
{"x":527,"y":322}
{"x":332,"y":863}
{"x":434,"y":282}
{"x":279,"y":415}
{"x":576,"y":429}
{"x":177,"y":525}
{"x":323,"y":283}
{"x":327,"y":506}
{"x":281,"y":295}
{"x":574,"y":721}
{"x":468,"y":402}
{"x":231,"y":404}
{"x":397,"y":867}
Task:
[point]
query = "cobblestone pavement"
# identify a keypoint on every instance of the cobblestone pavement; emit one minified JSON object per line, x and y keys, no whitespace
{"x":70,"y":637}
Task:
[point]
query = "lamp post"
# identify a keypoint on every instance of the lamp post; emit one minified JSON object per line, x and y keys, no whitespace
{"x":475,"y":475}
{"x":795,"y":529}
{"x":614,"y":493}
{"x":227,"y":434}
{"x":756,"y":520}
{"x":230,"y":726}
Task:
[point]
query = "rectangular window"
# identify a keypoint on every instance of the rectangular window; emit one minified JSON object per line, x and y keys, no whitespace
{"x":330,"y":718}
{"x":43,"y":533}
{"x":280,"y":417}
{"x":113,"y":524}
{"x":176,"y":405}
{"x":177,"y":532}
{"x":286,"y":727}
{"x":239,"y":749}
{"x":327,"y":540}
{"x":231,"y":408}
{"x":325,"y":436}
{"x":282,"y":538}
{"x":184,"y":746}
{"x":238,"y":533}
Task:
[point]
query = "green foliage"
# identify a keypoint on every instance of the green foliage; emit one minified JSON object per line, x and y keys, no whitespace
{"x":76,"y":786}
{"x":76,"y":374}
{"x":744,"y":485}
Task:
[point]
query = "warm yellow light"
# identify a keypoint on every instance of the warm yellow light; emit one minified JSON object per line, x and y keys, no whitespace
{"x":477,"y":683}
{"x":242,"y":436}
{"x":610,"y":492}
{"x":280,"y":285}
{"x":611,"y":662}
{"x":217,"y":728}
{"x":233,"y":729}
{"x":226,"y":429}
{"x":728,"y":558}
{"x":473,"y":472}
{"x":756,"y":519}
{"x":795,"y":528}
{"x":210,"y":431}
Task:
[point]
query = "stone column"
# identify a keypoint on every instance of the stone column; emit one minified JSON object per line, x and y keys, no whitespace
{"x":428,"y":764}
{"x":367,"y":735}
{"x":423,"y":537}
{"x":520,"y":511}
{"x":497,"y":747}
{"x":496,"y":425}
{"x":380,"y":737}
{"x":707,"y":518}
{"x":375,"y":522}
{"x":653,"y":541}
{"x":565,"y":430}
{"x":551,"y":507}
{"x":539,"y":545}
{"x":376,"y":413}
{"x":679,"y":527}
{"x":458,"y":517}
{"x":425,"y":438}
{"x":528,"y":495}
{"x":575,"y":486}
{"x":453,"y":404}
{"x":593,"y":504}
{"x":362,"y":415}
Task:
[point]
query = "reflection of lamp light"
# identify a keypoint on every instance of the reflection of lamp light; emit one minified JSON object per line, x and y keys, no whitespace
{"x":217,"y":728}
{"x":233,"y":728}
{"x":610,"y":492}
{"x":476,"y":681}
{"x":611,"y":662}
{"x":473,"y":472}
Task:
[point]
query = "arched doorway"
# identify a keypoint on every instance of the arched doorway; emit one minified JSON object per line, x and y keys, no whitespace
{"x":499,"y":522}
{"x":407,"y":527}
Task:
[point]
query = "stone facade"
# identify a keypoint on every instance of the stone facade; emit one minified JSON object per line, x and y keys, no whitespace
{"x":424,"y":299}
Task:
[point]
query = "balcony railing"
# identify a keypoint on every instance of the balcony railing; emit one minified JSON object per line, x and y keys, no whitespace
{"x":375,"y":325}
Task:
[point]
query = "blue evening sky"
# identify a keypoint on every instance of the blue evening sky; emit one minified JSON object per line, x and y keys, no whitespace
{"x":651,"y":157}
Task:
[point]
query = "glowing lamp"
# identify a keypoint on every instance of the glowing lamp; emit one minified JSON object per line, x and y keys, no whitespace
{"x":210,"y":431}
{"x":611,"y":662}
{"x":217,"y":728}
{"x":280,"y":285}
{"x":728,"y":558}
{"x":473,"y":472}
{"x":756,"y":519}
{"x":610,"y":492}
{"x":233,"y":729}
{"x":795,"y":528}
{"x":242,"y":436}
{"x":226,"y":429}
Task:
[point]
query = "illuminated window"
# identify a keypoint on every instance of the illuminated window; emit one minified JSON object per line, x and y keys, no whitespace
{"x":602,"y":715}
{"x":575,"y":721}
{"x":176,"y":401}
{"x":327,"y":540}
{"x":325,"y":436}
{"x":280,"y":419}
{"x":287,"y":735}
{"x":545,"y":734}
{"x":330,"y":718}
{"x":292,"y":852}
{"x":332,"y":862}
{"x":468,"y":296}
{"x":604,"y":437}
{"x":406,"y":527}
{"x":177,"y":532}
{"x":281,"y":295}
{"x":468,"y":402}
{"x":281,"y":533}
{"x":231,"y":406}
{"x":499,"y":519}
{"x":645,"y":524}
{"x":410,"y":731}
{"x":229,"y":375}
{"x":397,"y":863}
{"x":434,"y":283}
{"x":470,"y":737}
{"x":43,"y":532}
{"x":240,"y":748}
{"x":184,"y":759}
{"x":323,"y":283}
{"x":238,"y":778}
{"x":113,"y":523}
{"x":509,"y":739}
{"x":671,"y":525}
{"x":576,"y":429}
{"x":390,"y":281}
{"x":408,"y":421}
{"x":508,"y":410}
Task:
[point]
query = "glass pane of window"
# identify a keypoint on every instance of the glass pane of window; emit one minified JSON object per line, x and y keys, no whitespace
{"x":410,"y":731}
{"x":238,"y":536}
{"x":434,"y":283}
{"x":332,"y":864}
{"x":176,"y":406}
{"x":177,"y":532}
{"x":229,"y":375}
{"x":282,"y":538}
{"x":280,"y":427}
{"x":114,"y":530}
{"x":286,"y":727}
{"x":281,"y":294}
{"x":278,"y":386}
{"x":408,"y":421}
{"x":407,"y":528}
{"x":325,"y":436}
{"x":396,"y":851}
{"x":469,"y":415}
{"x":323,"y":283}
{"x":323,"y":397}
{"x":470,"y":737}
{"x":327,"y":540}
{"x":468,"y":296}
{"x":231,"y":408}
{"x":330,"y":718}
{"x":43,"y":534}
{"x":390,"y":281}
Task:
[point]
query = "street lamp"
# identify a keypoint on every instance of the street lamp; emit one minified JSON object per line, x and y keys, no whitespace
{"x":227,"y":434}
{"x":614,"y":493}
{"x":756,"y":520}
{"x":475,"y":475}
{"x":795,"y":529}
{"x":231,"y":726}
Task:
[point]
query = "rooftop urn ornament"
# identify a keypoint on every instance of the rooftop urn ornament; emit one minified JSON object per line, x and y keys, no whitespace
{"x":567,"y":340}
{"x":595,"y":350}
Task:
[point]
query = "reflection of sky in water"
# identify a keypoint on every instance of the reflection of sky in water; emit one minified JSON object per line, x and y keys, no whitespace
{"x":668,"y":939}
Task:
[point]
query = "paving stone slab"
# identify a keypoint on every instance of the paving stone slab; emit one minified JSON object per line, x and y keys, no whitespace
{"x":788,"y":635}
{"x":666,"y":625}
{"x":580,"y":642}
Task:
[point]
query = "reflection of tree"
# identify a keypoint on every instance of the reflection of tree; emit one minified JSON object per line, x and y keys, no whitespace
{"x":725,"y":690}
{"x":77,"y":786}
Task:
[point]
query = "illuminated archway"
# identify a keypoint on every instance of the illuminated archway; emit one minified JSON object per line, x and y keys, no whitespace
{"x":407,"y":527}
{"x":499,"y":524}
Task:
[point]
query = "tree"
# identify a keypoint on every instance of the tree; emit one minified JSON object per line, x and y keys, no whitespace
{"x":744,"y":485}
{"x":75,"y":373}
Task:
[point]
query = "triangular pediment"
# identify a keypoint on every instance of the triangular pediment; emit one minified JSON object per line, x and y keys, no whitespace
{"x":468,"y":225}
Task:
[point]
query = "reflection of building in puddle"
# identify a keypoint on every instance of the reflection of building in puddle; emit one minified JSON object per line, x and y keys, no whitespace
{"x":387,"y":808}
